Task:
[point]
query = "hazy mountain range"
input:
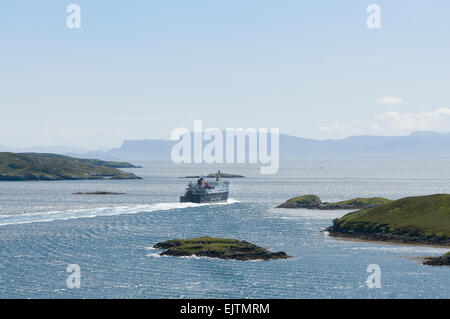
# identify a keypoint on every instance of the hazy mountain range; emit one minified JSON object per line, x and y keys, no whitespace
{"x":418,"y":145}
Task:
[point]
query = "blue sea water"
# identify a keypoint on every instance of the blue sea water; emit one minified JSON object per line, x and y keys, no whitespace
{"x":44,"y":228}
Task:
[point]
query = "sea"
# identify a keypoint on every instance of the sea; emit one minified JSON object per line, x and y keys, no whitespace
{"x":44,"y":229}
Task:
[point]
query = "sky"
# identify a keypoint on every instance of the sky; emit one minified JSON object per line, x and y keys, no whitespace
{"x":140,"y":69}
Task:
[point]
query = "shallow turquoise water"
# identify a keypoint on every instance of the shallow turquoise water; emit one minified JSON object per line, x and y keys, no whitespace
{"x":43,"y":228}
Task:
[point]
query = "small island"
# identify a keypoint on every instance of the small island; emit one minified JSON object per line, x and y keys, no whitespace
{"x":224,"y":175}
{"x":314,"y":202}
{"x":54,"y":167}
{"x":97,"y":193}
{"x":412,"y":220}
{"x":437,"y":261}
{"x":222,"y":248}
{"x":221,"y":175}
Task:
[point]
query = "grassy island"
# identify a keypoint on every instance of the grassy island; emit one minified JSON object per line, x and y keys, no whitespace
{"x":304,"y":201}
{"x":222,"y":248}
{"x":314,"y":202}
{"x":418,"y":219}
{"x":50,"y":167}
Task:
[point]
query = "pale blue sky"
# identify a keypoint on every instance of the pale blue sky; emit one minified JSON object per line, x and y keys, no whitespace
{"x":139,"y":69}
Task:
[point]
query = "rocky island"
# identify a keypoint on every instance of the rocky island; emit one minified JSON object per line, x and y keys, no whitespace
{"x":412,"y":220}
{"x":225,"y":175}
{"x":97,"y":193}
{"x":52,"y":167}
{"x":437,"y":261}
{"x":221,"y":175}
{"x":314,"y":202}
{"x":222,"y":248}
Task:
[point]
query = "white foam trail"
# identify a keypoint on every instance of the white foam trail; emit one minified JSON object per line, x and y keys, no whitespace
{"x":157,"y":255}
{"x":40,"y":217}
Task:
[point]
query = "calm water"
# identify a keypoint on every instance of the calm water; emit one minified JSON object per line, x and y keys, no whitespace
{"x":43,"y":229}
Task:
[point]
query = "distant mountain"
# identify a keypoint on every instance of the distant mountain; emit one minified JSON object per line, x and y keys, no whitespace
{"x":138,"y":150}
{"x":418,"y":145}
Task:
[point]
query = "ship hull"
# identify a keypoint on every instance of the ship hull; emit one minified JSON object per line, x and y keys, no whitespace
{"x":205,"y":198}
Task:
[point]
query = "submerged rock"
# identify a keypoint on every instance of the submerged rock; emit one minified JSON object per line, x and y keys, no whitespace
{"x":222,"y":248}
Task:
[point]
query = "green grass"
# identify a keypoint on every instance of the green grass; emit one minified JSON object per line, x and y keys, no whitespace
{"x":423,"y":216}
{"x":206,"y":243}
{"x":203,"y":247}
{"x":38,"y":166}
{"x":365,"y":201}
{"x":108,"y":163}
{"x":207,"y":240}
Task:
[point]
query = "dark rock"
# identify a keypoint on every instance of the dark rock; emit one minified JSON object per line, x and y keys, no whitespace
{"x":437,"y":261}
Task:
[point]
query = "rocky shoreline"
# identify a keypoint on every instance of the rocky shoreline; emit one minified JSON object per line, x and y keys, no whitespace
{"x":389,"y":238}
{"x":437,"y":261}
{"x":222,"y":248}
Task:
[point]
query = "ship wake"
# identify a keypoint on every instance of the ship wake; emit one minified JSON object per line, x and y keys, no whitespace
{"x":49,"y":216}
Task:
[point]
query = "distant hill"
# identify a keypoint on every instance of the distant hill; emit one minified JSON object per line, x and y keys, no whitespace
{"x":419,"y":145}
{"x":42,"y":166}
{"x":138,"y":150}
